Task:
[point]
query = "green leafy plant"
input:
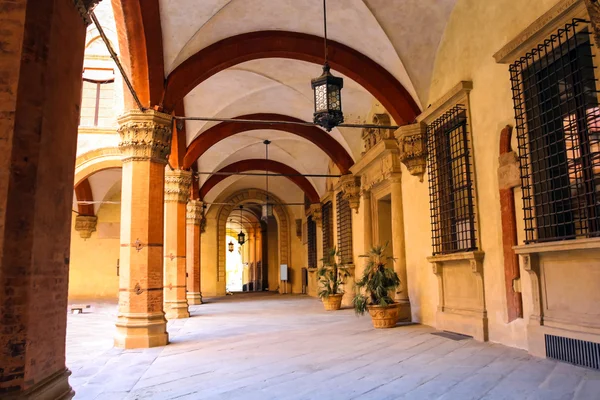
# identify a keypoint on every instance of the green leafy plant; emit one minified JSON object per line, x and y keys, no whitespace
{"x":332,"y":274}
{"x":377,"y":282}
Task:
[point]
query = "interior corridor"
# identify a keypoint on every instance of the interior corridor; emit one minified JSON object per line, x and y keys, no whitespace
{"x":268,"y":346}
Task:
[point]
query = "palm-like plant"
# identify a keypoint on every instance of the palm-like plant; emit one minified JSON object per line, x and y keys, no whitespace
{"x":378,"y":281}
{"x":332,"y":274}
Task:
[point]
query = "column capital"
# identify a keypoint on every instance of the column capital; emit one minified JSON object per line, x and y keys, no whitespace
{"x":84,"y":7}
{"x":145,"y":136}
{"x":85,"y":225}
{"x":316,"y":213}
{"x":194,"y":214}
{"x":351,"y":188}
{"x":177,"y":186}
{"x":412,"y":141}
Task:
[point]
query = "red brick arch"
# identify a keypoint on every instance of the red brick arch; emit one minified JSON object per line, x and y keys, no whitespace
{"x":262,"y":165}
{"x":291,"y":45}
{"x":226,"y":129}
{"x":83,"y":192}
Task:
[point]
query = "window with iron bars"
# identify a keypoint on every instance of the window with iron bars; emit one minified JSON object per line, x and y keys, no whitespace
{"x":311,"y":228}
{"x":558,"y":132}
{"x":451,"y":192}
{"x":344,"y":228}
{"x":327,"y":215}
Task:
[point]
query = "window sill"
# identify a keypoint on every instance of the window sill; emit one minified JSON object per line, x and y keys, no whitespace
{"x":563,"y":245}
{"x":466,"y":255}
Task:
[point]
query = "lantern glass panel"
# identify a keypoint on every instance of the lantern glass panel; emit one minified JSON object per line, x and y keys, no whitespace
{"x":267,"y":211}
{"x":321,"y":98}
{"x":333,"y":97}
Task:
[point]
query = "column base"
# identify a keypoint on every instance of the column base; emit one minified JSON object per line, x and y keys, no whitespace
{"x":54,"y":387}
{"x":194,"y":298}
{"x":405,"y":314}
{"x":141,"y":330}
{"x":176,"y":309}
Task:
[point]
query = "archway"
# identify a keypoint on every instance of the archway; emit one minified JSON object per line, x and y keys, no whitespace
{"x":214,"y":251}
{"x":291,"y":45}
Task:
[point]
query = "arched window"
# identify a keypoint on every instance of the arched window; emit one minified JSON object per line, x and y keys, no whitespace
{"x":97,"y":98}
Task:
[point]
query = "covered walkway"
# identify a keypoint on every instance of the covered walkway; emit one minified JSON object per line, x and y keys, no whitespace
{"x":259,"y":346}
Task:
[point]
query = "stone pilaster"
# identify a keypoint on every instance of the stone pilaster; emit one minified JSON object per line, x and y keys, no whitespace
{"x":145,"y":145}
{"x":177,"y":193}
{"x":194,"y":217}
{"x":398,"y":244}
{"x":412,"y":142}
{"x":85,"y":225}
{"x":351,"y":188}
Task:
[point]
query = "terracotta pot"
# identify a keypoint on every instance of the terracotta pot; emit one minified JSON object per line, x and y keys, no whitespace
{"x":384,"y":317}
{"x":333,"y":302}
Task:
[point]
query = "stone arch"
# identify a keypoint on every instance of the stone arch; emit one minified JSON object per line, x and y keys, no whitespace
{"x":262,"y":165}
{"x":221,"y":214}
{"x":291,"y":45}
{"x":223,"y":130}
{"x":96,"y":160}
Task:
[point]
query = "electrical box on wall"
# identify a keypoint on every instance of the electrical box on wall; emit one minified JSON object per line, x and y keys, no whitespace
{"x":283,"y":272}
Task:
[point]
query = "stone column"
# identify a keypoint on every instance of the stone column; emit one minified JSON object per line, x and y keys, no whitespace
{"x":145,"y":145}
{"x":41,"y":59}
{"x":398,"y":246}
{"x":177,"y":193}
{"x":366,"y":235}
{"x":192,"y":256}
{"x":252,"y":261}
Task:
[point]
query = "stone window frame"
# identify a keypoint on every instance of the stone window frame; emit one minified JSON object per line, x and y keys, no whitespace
{"x":459,"y":95}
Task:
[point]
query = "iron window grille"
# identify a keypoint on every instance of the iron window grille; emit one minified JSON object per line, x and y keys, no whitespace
{"x":451,"y":193}
{"x":344,"y":228}
{"x":311,"y":228}
{"x":558,"y":131}
{"x":327,"y":215}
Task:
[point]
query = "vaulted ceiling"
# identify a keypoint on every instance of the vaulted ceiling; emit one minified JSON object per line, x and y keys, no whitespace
{"x":384,"y":49}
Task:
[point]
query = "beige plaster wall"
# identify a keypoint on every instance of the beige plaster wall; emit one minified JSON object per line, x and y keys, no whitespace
{"x":476,"y":30}
{"x":93,"y":271}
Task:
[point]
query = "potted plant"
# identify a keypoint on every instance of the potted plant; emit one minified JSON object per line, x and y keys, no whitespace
{"x":374,"y":288}
{"x":332,"y":276}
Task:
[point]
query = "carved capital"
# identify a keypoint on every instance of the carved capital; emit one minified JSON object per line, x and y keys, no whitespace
{"x":316,"y":213}
{"x":351,"y":188}
{"x":145,"y":136}
{"x":372,"y":136}
{"x":85,"y":225}
{"x":194,"y":212}
{"x":177,"y":186}
{"x":412,"y":142}
{"x":84,"y":7}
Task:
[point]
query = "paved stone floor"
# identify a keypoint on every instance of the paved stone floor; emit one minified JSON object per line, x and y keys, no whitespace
{"x":258,"y":346}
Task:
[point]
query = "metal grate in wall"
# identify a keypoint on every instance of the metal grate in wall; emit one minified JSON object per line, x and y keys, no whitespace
{"x":451,"y":193}
{"x":574,"y":351}
{"x":327,"y":210}
{"x":311,"y":228}
{"x":344,"y":228}
{"x":558,"y":131}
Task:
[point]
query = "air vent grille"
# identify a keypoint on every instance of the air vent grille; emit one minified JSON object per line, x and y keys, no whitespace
{"x":574,"y":351}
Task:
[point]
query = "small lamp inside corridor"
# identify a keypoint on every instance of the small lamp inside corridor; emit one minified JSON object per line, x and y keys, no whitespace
{"x":241,"y":235}
{"x":230,"y":246}
{"x":328,"y":91}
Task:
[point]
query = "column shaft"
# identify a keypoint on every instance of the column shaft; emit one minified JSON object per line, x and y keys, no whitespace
{"x":145,"y":141}
{"x":42,"y":45}
{"x":177,"y":192}
{"x":398,"y":244}
{"x":192,"y":257}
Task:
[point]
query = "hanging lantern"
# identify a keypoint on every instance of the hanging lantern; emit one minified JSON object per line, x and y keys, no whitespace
{"x":230,"y":245}
{"x":328,"y":91}
{"x":328,"y":99}
{"x":241,"y":235}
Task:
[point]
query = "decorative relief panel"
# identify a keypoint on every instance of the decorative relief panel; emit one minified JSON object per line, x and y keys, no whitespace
{"x":372,"y":136}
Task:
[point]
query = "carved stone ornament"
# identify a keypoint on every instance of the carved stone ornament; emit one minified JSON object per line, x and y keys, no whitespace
{"x":85,"y":225}
{"x":412,"y":142}
{"x":351,"y":188}
{"x":84,"y":7}
{"x":316,"y":213}
{"x":145,"y":136}
{"x":194,"y":212}
{"x":177,"y":185}
{"x":372,"y":136}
